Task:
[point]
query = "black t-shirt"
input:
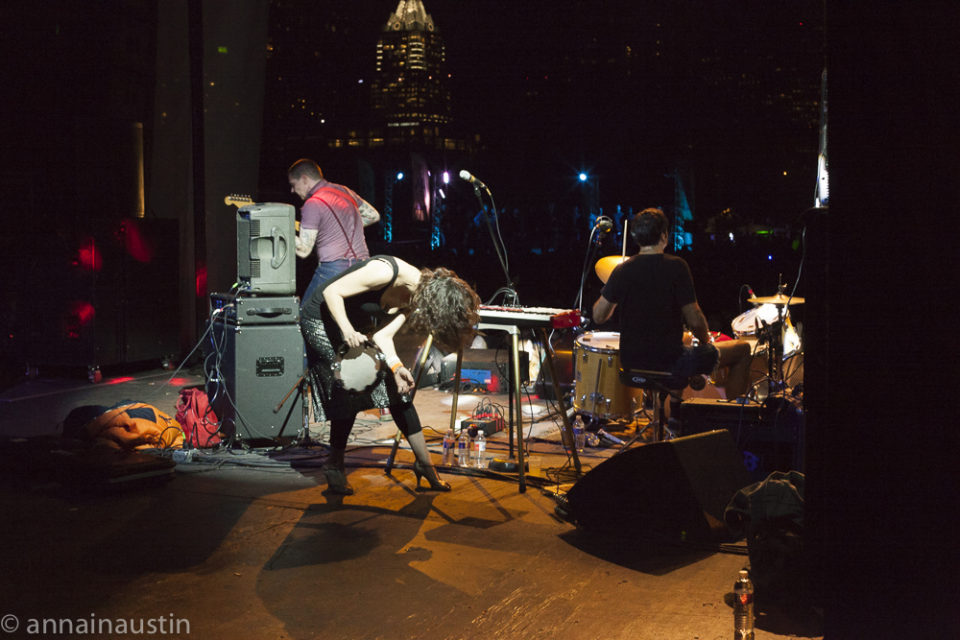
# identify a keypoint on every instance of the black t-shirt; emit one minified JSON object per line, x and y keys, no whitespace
{"x":649,"y":291}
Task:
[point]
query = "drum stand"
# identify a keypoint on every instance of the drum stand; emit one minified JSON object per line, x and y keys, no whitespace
{"x":650,"y":381}
{"x":772,"y":334}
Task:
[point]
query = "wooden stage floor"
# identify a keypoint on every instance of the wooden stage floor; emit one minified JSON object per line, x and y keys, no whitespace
{"x":246,"y":544}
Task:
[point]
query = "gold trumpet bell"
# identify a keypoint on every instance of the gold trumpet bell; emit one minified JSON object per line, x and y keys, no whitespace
{"x":606,"y":265}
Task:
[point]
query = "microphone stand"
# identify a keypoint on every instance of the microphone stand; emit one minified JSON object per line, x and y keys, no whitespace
{"x":498,"y":245}
{"x":591,"y":251}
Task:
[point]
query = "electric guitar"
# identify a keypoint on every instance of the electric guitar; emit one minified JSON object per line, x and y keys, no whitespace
{"x":238,"y":201}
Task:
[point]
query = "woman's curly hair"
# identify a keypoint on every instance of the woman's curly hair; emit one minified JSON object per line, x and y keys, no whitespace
{"x":446,"y":306}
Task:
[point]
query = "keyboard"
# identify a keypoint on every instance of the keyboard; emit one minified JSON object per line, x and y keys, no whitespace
{"x":530,"y":317}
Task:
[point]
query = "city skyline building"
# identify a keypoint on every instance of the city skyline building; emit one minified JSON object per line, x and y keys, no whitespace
{"x":410,"y":100}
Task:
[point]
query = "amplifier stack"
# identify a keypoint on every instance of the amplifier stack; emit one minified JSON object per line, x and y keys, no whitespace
{"x":258,"y":348}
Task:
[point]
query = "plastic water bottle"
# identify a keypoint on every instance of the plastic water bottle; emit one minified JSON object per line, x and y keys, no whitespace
{"x":743,"y":607}
{"x":463,"y":448}
{"x":479,"y":449}
{"x":579,"y":434}
{"x":449,"y":442}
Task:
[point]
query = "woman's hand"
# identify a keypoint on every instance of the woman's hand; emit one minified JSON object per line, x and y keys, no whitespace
{"x":354,"y":338}
{"x":404,"y":380}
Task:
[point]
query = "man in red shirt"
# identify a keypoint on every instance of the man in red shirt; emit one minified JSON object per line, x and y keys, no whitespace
{"x":331,"y":222}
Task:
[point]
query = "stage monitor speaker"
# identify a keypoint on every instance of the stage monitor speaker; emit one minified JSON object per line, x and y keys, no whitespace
{"x":677,"y":489}
{"x":259,"y":364}
{"x":266,"y":256}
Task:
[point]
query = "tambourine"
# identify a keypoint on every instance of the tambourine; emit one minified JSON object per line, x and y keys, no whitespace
{"x":359,"y":369}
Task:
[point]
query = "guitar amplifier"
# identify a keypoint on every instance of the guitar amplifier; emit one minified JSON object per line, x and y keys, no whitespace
{"x":254,"y":310}
{"x":776,"y":420}
{"x":769,"y":434}
{"x":257,"y":366}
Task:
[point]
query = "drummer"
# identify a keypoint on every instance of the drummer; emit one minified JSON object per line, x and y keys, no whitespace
{"x":657,"y":298}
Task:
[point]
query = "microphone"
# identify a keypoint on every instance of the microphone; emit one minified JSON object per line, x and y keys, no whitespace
{"x":469,"y":177}
{"x":605,"y":224}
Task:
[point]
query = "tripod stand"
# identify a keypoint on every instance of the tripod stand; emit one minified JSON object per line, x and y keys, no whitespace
{"x":300,"y":387}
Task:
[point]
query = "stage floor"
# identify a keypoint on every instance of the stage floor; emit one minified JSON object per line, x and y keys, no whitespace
{"x":246,"y":544}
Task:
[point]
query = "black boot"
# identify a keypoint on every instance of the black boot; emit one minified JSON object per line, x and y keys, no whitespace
{"x":336,"y":475}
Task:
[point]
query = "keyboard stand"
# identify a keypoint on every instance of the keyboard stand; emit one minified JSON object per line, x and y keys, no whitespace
{"x":516,"y":399}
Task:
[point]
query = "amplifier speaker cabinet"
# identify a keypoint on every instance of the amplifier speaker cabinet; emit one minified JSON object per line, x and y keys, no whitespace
{"x":773,"y":432}
{"x":266,"y":257}
{"x":259,"y":364}
{"x":247,"y":310}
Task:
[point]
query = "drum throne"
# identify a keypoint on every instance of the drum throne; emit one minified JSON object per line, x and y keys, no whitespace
{"x":663,"y":385}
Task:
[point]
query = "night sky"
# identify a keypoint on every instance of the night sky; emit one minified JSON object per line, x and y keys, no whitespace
{"x":728,"y":93}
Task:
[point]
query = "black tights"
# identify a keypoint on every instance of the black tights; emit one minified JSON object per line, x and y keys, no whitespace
{"x":403,"y":414}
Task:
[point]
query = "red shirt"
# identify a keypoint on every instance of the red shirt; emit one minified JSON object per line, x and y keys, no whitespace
{"x":331,"y":209}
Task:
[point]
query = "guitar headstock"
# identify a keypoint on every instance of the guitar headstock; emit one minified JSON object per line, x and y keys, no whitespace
{"x":237,"y":200}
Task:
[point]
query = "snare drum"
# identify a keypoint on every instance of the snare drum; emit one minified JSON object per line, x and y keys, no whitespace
{"x":598,"y":391}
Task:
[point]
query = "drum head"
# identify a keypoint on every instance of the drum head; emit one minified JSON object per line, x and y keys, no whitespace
{"x":359,"y":369}
{"x":746,"y":323}
{"x":600,"y":341}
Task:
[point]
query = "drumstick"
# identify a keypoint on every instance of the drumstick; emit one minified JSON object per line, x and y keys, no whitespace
{"x":625,"y":223}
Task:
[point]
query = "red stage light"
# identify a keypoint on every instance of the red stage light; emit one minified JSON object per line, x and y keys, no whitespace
{"x":83,"y":311}
{"x":201,"y":281}
{"x":135,"y":243}
{"x":89,"y":257}
{"x":80,"y":314}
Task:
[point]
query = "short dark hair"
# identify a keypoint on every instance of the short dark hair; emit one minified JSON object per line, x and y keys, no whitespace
{"x":648,"y":226}
{"x":446,"y":306}
{"x":305,"y":167}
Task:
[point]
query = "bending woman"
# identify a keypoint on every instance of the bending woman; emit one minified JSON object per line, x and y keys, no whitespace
{"x":429,"y":300}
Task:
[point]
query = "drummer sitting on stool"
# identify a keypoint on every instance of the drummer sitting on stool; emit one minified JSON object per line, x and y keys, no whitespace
{"x":656,"y":297}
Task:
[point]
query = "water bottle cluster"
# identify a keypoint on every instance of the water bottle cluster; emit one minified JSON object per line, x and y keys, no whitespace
{"x":463,"y":451}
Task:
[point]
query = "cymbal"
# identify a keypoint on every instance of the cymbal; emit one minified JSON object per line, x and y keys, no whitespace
{"x":606,"y":265}
{"x":779,"y":299}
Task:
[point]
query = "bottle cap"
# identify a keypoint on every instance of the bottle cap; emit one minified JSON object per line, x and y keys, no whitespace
{"x":744,"y":574}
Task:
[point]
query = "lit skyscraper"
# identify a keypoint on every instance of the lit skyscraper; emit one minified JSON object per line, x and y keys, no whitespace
{"x":410,"y":99}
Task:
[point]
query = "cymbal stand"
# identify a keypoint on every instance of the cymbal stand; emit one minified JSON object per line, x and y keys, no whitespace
{"x":772,"y":334}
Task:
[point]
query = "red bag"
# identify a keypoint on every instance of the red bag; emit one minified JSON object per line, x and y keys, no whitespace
{"x":197,"y":419}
